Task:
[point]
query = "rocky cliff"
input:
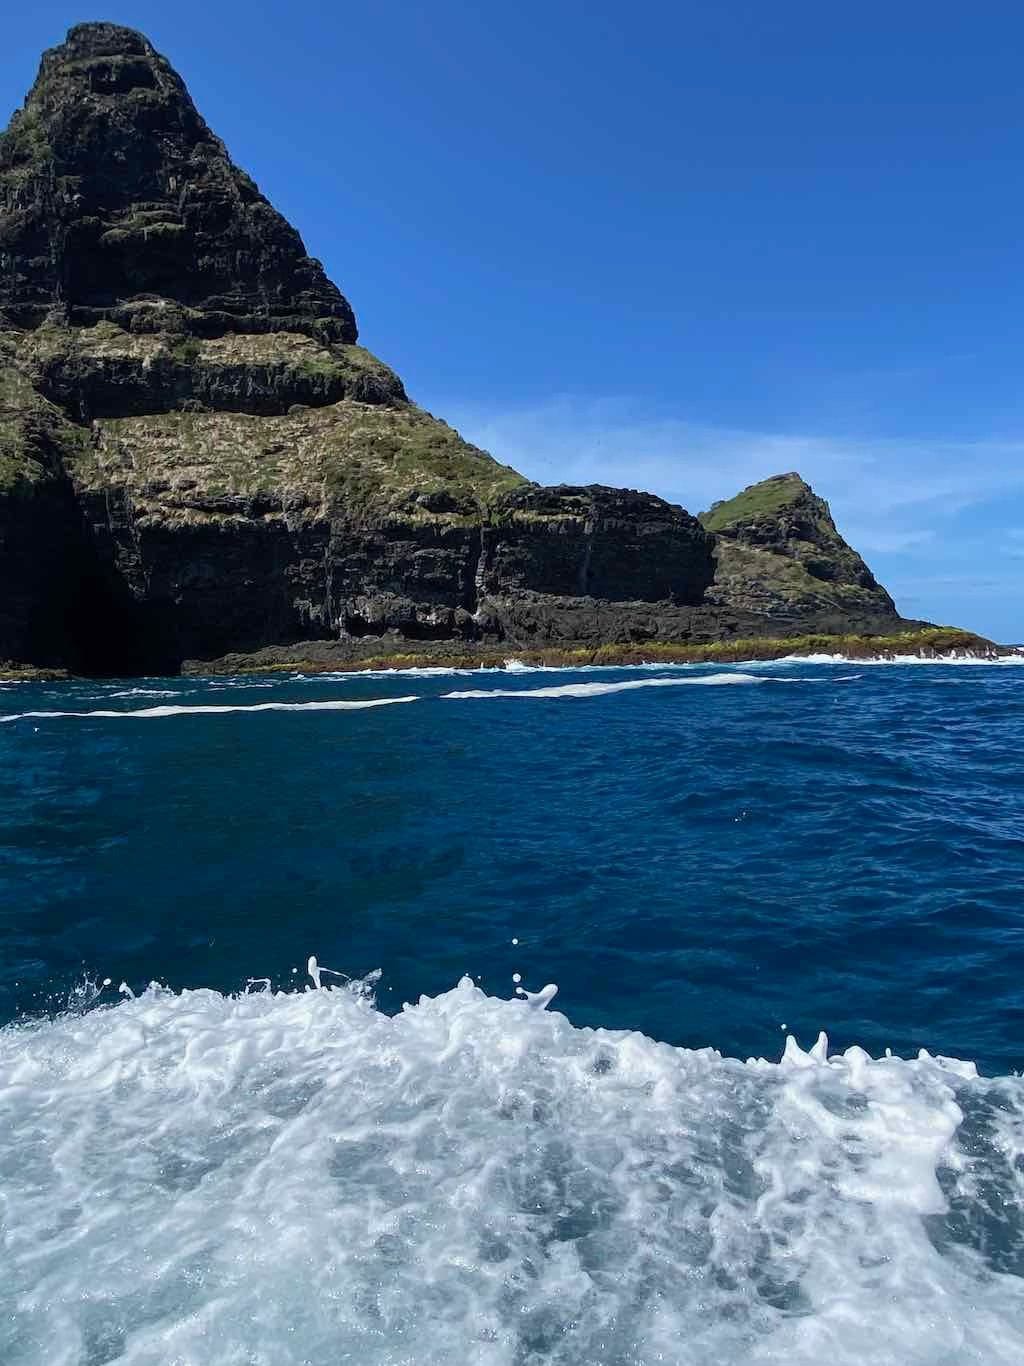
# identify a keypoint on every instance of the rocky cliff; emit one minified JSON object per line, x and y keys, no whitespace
{"x":779,"y":556}
{"x":197,"y":458}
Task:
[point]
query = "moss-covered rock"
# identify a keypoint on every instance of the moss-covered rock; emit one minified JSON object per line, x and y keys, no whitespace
{"x":932,"y":642}
{"x":105,"y":371}
{"x":779,"y":553}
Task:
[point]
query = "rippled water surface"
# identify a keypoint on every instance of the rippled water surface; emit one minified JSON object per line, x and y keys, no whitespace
{"x":702,"y":855}
{"x":716,"y":858}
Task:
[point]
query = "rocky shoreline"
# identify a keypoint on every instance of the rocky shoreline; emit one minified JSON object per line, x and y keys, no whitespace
{"x":933,"y":642}
{"x":938,"y":643}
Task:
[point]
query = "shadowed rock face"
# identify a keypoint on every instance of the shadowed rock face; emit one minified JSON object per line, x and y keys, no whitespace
{"x":196,"y":457}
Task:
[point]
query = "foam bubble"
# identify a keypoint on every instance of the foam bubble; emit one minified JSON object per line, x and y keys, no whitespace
{"x":297,"y":1177}
{"x":539,"y":1000}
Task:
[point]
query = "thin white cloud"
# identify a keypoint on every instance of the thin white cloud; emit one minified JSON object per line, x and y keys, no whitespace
{"x":887,"y":495}
{"x":926,"y":514}
{"x":895,"y":542}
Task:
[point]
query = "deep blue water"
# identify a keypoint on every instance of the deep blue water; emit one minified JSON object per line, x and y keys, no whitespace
{"x":836,"y":846}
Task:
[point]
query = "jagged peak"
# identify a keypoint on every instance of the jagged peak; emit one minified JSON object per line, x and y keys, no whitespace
{"x":101,"y":38}
{"x":764,"y":499}
{"x":105,"y":59}
{"x":114,"y":194}
{"x":783,"y":515}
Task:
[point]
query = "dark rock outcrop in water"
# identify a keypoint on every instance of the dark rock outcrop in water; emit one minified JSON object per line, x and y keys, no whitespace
{"x":197,"y":458}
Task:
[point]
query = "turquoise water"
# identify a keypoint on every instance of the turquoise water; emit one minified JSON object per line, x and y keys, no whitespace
{"x":225,"y":1169}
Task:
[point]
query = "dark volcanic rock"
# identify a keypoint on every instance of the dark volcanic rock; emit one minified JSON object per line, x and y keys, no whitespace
{"x":780,"y":557}
{"x":597,"y":542}
{"x":117,"y":201}
{"x":104,"y":372}
{"x":197,"y":459}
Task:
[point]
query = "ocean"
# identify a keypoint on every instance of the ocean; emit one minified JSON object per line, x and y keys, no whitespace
{"x":285,"y":1076}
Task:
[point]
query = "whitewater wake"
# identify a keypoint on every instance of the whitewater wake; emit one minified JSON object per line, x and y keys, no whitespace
{"x":276,"y":1178}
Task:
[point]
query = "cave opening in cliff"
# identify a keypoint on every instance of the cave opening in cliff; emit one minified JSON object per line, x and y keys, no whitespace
{"x":108,"y":633}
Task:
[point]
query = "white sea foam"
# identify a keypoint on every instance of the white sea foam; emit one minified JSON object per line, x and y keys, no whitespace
{"x":145,"y":692}
{"x":510,"y":666}
{"x":210,"y":709}
{"x":516,"y":666}
{"x":354,"y":675}
{"x":810,"y":659}
{"x":602,"y":689}
{"x":427,"y":671}
{"x":717,"y":680}
{"x":232,"y":682}
{"x":567,"y":690}
{"x":279,"y":1178}
{"x":970,"y":660}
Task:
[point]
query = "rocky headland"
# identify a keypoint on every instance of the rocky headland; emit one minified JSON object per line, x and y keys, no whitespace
{"x":199,"y":462}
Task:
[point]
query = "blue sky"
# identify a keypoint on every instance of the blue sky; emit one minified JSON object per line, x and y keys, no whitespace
{"x":675,"y":246}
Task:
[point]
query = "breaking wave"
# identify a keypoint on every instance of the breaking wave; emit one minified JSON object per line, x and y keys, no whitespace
{"x":588,"y":689}
{"x":628,"y":685}
{"x":945,"y":661}
{"x":210,"y":709}
{"x":146,"y":692}
{"x":278,"y":1178}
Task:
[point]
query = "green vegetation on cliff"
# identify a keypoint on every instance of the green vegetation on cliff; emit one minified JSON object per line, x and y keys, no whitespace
{"x":177,"y":464}
{"x":34,"y":434}
{"x":106,"y":371}
{"x":759,"y":500}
